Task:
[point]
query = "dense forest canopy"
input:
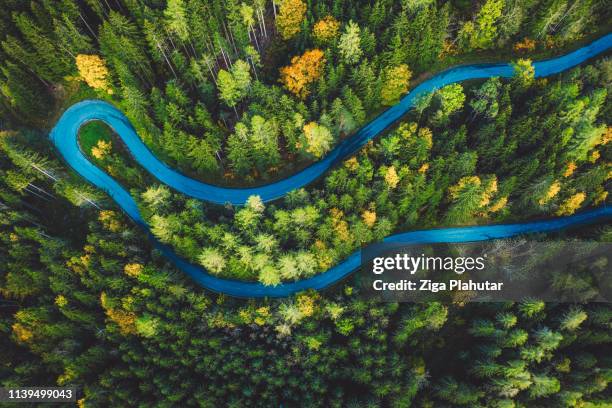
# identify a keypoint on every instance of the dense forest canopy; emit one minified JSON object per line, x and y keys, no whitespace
{"x":246,"y":88}
{"x":241,"y":93}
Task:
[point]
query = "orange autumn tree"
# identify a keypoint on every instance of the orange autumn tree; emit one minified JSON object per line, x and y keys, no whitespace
{"x":303,"y":70}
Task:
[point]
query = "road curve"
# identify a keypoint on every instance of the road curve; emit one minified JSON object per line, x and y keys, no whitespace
{"x":65,"y":138}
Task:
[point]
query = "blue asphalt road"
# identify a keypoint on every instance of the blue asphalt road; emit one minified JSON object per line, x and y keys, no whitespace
{"x":65,"y":137}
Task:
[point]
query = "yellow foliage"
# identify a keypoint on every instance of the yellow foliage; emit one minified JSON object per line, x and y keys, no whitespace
{"x":336,"y":214}
{"x":110,"y":221}
{"x":324,"y":259}
{"x":303,"y":70}
{"x":93,"y":71}
{"x":326,"y":29}
{"x":607,"y":136}
{"x":552,"y":191}
{"x":81,"y":403}
{"x":290,"y":17}
{"x":245,"y":316}
{"x":490,"y":189}
{"x":125,"y":320}
{"x":423,"y":169}
{"x":342,"y":230}
{"x":499,"y":204}
{"x":61,"y":301}
{"x":448,"y":48}
{"x":369,"y":218}
{"x":262,"y":315}
{"x":352,"y":164}
{"x":525,"y":46}
{"x":340,"y":225}
{"x":395,"y":83}
{"x":101,"y":149}
{"x":551,"y":42}
{"x":67,"y":377}
{"x":23,"y":334}
{"x":455,"y":190}
{"x":427,"y":135}
{"x":569,"y":169}
{"x":306,"y":304}
{"x":492,"y":186}
{"x":391,"y":177}
{"x":407,"y":130}
{"x":133,"y":269}
{"x":570,"y":205}
{"x":78,"y":264}
{"x":601,"y":197}
{"x":595,"y":155}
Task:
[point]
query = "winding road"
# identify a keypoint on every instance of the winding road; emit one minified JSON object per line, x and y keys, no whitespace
{"x":65,"y":138}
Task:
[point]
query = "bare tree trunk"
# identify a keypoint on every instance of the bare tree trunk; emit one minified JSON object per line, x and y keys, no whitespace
{"x":256,"y":42}
{"x":165,"y":57}
{"x":254,"y":68}
{"x":88,"y":27}
{"x":263,"y":22}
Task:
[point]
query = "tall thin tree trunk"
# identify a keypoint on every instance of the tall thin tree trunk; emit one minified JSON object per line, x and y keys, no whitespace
{"x":88,"y":27}
{"x":263,"y":23}
{"x":165,"y":57}
{"x":256,"y":42}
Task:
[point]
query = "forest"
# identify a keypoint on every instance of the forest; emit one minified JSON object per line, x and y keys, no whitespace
{"x":246,"y":93}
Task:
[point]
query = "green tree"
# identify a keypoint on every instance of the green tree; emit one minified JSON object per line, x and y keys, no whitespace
{"x":395,"y":84}
{"x":350,"y":43}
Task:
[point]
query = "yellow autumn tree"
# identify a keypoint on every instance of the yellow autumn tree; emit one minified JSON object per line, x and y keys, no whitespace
{"x":490,"y":189}
{"x":594,"y":156}
{"x":352,"y":164}
{"x":499,"y":205}
{"x":569,"y":169}
{"x":290,"y":17}
{"x":93,"y":71}
{"x":569,"y":206}
{"x":391,"y":177}
{"x":22,"y":333}
{"x":607,"y":136}
{"x":306,"y":303}
{"x":369,"y":218}
{"x":395,"y":83}
{"x":526,"y":45}
{"x":124,"y":319}
{"x":552,"y":191}
{"x":133,"y":269}
{"x":326,"y":29}
{"x":601,"y":197}
{"x":304,"y":69}
{"x":110,"y":220}
{"x":101,"y":149}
